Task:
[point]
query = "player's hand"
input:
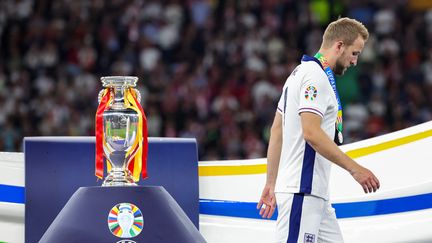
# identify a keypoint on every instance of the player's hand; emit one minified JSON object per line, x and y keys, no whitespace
{"x":366,"y":179}
{"x":267,"y":202}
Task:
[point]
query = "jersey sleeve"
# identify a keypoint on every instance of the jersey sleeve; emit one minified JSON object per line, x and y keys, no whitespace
{"x":314,"y":95}
{"x":282,"y":101}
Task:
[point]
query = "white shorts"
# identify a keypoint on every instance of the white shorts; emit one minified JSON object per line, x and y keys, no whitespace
{"x":306,"y":219}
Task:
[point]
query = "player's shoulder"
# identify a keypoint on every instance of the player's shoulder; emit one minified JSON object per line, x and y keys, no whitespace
{"x":313,"y":71}
{"x":312,"y":68}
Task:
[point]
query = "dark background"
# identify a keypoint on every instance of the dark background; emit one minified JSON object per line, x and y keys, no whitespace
{"x":212,"y":70}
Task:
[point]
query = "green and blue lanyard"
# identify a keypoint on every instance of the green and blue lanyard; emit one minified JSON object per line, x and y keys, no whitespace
{"x":321,"y":60}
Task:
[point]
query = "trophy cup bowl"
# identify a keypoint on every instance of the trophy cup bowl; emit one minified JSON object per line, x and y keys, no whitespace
{"x":120,"y":127}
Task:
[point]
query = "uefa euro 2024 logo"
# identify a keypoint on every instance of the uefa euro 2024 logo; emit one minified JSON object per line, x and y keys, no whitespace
{"x":311,"y":93}
{"x":125,"y":220}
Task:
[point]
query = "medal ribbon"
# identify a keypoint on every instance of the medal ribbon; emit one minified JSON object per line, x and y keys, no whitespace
{"x":332,"y":81}
{"x":322,"y":61}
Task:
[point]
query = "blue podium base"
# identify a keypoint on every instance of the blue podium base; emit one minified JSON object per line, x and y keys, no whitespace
{"x":105,"y":214}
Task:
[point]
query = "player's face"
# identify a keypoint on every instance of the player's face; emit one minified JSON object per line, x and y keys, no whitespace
{"x":349,"y":56}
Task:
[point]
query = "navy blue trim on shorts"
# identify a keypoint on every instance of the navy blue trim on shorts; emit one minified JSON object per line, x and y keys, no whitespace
{"x":295,"y":218}
{"x":307,"y":169}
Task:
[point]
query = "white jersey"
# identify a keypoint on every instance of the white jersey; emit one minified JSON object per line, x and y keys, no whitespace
{"x":301,"y":169}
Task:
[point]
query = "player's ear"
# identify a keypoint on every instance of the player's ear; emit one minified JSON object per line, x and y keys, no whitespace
{"x":340,"y":46}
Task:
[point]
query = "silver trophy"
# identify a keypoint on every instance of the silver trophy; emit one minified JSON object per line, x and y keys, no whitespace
{"x":120,"y":128}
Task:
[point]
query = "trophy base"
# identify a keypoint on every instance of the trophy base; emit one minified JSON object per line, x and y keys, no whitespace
{"x":88,"y":217}
{"x":119,"y":178}
{"x":118,"y":183}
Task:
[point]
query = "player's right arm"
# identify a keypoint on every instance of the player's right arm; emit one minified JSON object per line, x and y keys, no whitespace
{"x":267,"y":203}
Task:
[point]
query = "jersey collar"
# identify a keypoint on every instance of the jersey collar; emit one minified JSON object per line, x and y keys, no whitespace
{"x":307,"y":58}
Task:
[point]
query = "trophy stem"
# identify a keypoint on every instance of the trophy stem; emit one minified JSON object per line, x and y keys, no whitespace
{"x":119,"y":177}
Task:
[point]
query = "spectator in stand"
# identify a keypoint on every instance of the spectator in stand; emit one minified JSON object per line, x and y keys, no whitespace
{"x":205,"y":67}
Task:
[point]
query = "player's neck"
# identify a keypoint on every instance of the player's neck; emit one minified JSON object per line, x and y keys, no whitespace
{"x":328,"y":58}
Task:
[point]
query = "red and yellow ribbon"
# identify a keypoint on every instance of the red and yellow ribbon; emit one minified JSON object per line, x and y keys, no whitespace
{"x":103,"y":105}
{"x":139,"y":150}
{"x":138,"y":153}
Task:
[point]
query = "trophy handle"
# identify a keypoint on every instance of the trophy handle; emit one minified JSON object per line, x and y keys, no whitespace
{"x":100,"y":96}
{"x":138,"y":95}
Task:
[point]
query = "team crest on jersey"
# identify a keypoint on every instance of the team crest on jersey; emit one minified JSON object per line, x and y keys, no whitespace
{"x":125,"y":220}
{"x":309,"y":238}
{"x":311,"y":93}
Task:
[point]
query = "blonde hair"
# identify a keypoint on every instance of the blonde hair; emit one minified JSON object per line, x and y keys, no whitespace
{"x":346,"y":30}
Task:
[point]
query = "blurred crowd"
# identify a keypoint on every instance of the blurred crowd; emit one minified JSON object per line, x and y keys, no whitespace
{"x":211,"y":70}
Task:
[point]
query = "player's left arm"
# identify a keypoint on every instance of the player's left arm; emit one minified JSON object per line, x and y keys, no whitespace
{"x":321,"y":143}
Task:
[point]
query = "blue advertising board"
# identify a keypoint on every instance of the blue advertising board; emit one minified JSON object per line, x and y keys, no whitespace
{"x":55,"y":167}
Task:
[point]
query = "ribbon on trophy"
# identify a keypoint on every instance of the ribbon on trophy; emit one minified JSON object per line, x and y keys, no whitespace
{"x":103,"y":105}
{"x":138,"y":153}
{"x":139,"y":150}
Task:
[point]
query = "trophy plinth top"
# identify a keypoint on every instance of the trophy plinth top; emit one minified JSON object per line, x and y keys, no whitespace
{"x":119,"y":81}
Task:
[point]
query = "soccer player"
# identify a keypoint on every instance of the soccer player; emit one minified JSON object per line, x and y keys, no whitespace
{"x":301,"y":147}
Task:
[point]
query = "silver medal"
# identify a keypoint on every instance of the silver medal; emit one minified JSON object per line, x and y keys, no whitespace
{"x":340,"y":137}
